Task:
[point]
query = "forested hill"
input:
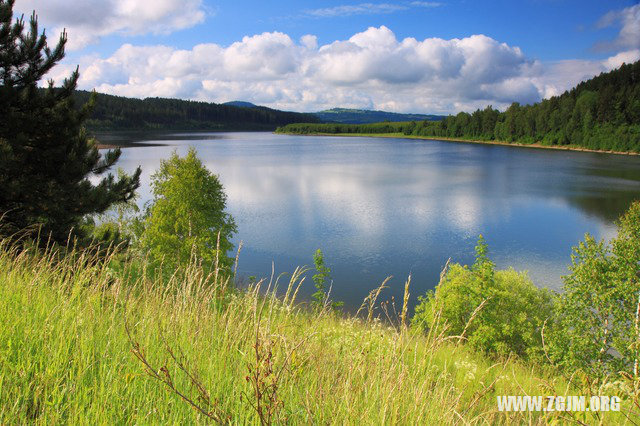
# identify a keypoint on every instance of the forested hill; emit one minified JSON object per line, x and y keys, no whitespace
{"x":120,"y":113}
{"x":362,"y":116}
{"x":356,"y":116}
{"x":241,"y":104}
{"x":602,"y":113}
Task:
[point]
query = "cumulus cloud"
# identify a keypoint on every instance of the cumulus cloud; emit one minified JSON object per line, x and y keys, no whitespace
{"x":371,"y":69}
{"x":627,"y":57}
{"x":88,"y":20}
{"x":559,"y":76}
{"x":629,"y":21}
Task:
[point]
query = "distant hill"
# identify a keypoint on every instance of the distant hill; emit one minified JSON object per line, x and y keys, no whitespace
{"x":354,"y":116}
{"x":241,"y":104}
{"x":364,"y":116}
{"x":120,"y":113}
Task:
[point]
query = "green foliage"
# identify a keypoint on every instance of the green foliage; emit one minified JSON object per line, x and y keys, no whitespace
{"x":322,"y":277}
{"x":332,"y":128}
{"x":46,"y":157}
{"x":497,"y":312}
{"x":601,"y":114}
{"x":119,"y":113}
{"x":117,"y":230}
{"x":596,"y":326}
{"x":187,"y":218}
{"x":105,"y":236}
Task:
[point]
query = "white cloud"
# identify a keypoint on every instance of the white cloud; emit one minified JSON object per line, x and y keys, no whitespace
{"x":629,"y":21}
{"x":88,"y":20}
{"x":371,"y":69}
{"x":309,"y":41}
{"x":559,"y":76}
{"x":368,"y":9}
{"x":615,"y":61}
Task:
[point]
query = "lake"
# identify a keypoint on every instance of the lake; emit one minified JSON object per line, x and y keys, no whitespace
{"x":379,"y":207}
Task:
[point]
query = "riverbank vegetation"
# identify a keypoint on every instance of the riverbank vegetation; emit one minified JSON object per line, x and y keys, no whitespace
{"x":592,"y":325}
{"x":87,"y":339}
{"x":602,"y":113}
{"x":126,"y":332}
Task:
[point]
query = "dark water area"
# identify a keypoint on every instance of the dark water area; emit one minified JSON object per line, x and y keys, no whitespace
{"x":132,"y":139}
{"x":380,"y":207}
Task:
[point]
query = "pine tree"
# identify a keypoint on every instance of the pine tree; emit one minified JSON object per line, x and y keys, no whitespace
{"x":46,"y":157}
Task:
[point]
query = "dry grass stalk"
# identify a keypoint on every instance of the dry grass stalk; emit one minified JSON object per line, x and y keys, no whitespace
{"x":369,"y":302}
{"x":235,"y":263}
{"x":265,"y":379}
{"x":296,"y":280}
{"x":264,"y":382}
{"x":405,"y":303}
{"x":476,"y":311}
{"x":444,"y":271}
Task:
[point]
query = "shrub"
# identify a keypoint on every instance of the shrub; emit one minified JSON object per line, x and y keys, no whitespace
{"x":497,"y":312}
{"x":320,"y":298}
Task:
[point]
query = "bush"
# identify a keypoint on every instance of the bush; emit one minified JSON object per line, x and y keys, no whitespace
{"x":497,"y":312}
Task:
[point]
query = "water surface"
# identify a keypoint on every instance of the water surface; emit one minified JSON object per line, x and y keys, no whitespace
{"x":379,"y":207}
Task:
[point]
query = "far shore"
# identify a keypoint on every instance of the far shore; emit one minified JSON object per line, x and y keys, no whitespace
{"x":434,"y":138}
{"x":536,"y":145}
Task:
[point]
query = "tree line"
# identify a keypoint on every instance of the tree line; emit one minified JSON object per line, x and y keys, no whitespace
{"x":602,"y":113}
{"x":121,"y":113}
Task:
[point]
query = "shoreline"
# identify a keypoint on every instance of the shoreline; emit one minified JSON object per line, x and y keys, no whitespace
{"x":445,"y":139}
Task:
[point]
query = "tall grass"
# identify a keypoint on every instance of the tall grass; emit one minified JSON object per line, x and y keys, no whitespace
{"x":241,"y":357}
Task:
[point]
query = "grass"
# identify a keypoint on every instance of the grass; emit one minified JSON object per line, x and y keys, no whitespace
{"x":242,"y":357}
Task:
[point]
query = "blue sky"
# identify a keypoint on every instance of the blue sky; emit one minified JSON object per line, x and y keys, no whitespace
{"x":419,"y":56}
{"x":545,"y":29}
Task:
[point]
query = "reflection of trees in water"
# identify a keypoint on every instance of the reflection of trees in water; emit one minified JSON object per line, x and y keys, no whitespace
{"x":616,"y":171}
{"x":606,"y":189}
{"x":129,"y":139}
{"x":608,"y":206}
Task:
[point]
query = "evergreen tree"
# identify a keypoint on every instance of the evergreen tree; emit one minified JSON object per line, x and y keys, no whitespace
{"x":46,"y":157}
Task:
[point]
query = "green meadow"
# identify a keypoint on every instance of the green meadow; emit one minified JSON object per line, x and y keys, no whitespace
{"x":89,"y":342}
